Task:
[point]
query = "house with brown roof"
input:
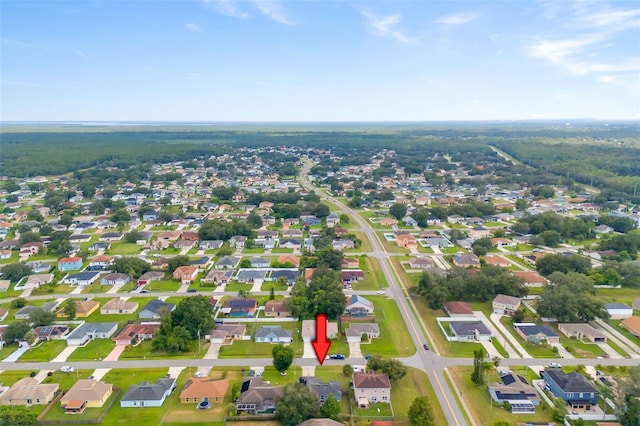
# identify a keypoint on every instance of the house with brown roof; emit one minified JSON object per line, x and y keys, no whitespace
{"x":531,"y":278}
{"x":28,"y":392}
{"x":257,"y":397}
{"x":276,"y":308}
{"x":227,"y":333}
{"x":582,"y":331}
{"x":84,"y":308}
{"x":169,"y":236}
{"x":190,"y":235}
{"x":497,"y":261}
{"x":458,"y":309}
{"x":198,"y":389}
{"x":350,"y":263}
{"x":505,"y":305}
{"x":31,"y":249}
{"x":371,"y":388}
{"x":502,"y":242}
{"x":118,"y":306}
{"x":294,"y":260}
{"x":466,"y":260}
{"x":388,"y":221}
{"x":149,"y":277}
{"x":86,"y":393}
{"x":137,"y":332}
{"x":406,"y":241}
{"x":421,"y":262}
{"x":186,"y":274}
{"x":632,"y":325}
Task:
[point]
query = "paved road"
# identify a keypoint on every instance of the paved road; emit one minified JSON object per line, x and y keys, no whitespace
{"x":426,"y":361}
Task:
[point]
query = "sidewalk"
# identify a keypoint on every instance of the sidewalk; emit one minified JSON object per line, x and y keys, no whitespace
{"x":17,"y":353}
{"x":502,"y":335}
{"x":62,"y":356}
{"x":619,"y":338}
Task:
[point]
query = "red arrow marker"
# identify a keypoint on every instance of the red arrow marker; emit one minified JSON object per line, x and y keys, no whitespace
{"x":321,"y":345}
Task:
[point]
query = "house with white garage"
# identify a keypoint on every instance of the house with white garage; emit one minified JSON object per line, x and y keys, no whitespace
{"x":272,"y":334}
{"x":358,"y":307}
{"x":505,"y":305}
{"x":90,"y":331}
{"x":81,"y":279}
{"x":618,"y":311}
{"x":469,"y":331}
{"x":227,"y":333}
{"x":148,"y":394}
{"x":155,"y":309}
{"x":251,"y":276}
{"x":582,"y":331}
{"x":536,"y":333}
{"x":356,"y":330}
{"x":115,"y":278}
{"x":227,"y":262}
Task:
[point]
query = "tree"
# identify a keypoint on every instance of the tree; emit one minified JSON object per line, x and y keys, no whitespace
{"x":282,"y":358}
{"x":254,"y":220}
{"x":398,"y":211}
{"x":171,"y":339}
{"x":570,"y":299}
{"x":347,"y":370}
{"x":193,"y":314}
{"x":331,"y":259}
{"x":321,"y":210}
{"x":40,"y":317}
{"x":518,"y":316}
{"x":128,"y":264}
{"x":69,"y":309}
{"x":15,"y":415}
{"x":344,"y":218}
{"x":391,"y":367}
{"x":421,"y":412}
{"x":559,"y":410}
{"x":324,"y":294}
{"x":330,"y":408}
{"x":296,"y":405}
{"x":17,"y":330}
{"x":176,"y":262}
{"x":477,"y":375}
{"x":18,"y":303}
{"x":133,"y":236}
{"x":30,"y":237}
{"x":16,"y":271}
{"x":481,"y":246}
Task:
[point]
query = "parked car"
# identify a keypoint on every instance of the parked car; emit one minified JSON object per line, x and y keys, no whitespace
{"x":380,"y":292}
{"x":198,"y":374}
{"x":426,"y":347}
{"x":191,"y":290}
{"x":554,"y":365}
{"x":337,"y":356}
{"x":67,"y":369}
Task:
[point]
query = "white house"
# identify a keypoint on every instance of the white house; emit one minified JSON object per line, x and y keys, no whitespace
{"x":618,"y":311}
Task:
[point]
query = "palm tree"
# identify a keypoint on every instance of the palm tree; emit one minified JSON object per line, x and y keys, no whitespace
{"x":605,"y":393}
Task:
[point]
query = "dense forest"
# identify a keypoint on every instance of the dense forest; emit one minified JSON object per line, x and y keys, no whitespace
{"x":607,"y":157}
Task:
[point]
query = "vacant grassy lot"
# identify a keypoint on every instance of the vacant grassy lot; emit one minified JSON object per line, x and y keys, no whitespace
{"x":163,"y":286}
{"x":124,"y":249}
{"x":96,"y":349}
{"x":251,"y":349}
{"x":373,"y":276}
{"x":144,"y":350}
{"x":394,"y":337}
{"x":44,"y":352}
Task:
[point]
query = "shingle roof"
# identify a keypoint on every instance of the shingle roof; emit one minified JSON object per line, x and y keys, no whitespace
{"x":572,"y":382}
{"x":147,"y":391}
{"x":371,"y":381}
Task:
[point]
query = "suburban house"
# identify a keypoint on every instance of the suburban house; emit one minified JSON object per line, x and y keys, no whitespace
{"x":505,"y":305}
{"x":333,"y":219}
{"x":217,"y":277}
{"x":115,"y":278}
{"x":147,"y":394}
{"x":516,"y":391}
{"x":632,"y":325}
{"x":91,"y":330}
{"x":421,"y":262}
{"x":137,"y":332}
{"x":149,"y":277}
{"x":35,"y":280}
{"x":535,"y":333}
{"x":211,"y":244}
{"x":69,"y":264}
{"x":118,"y":306}
{"x":371,"y":388}
{"x":479,"y":232}
{"x":406,"y":241}
{"x":31,"y":249}
{"x":276,"y":308}
{"x":272,"y":334}
{"x":251,"y":276}
{"x":356,"y":330}
{"x":469,"y":331}
{"x":573,"y":388}
{"x":357,"y":306}
{"x":290,"y":274}
{"x":84,"y":308}
{"x":502,"y":242}
{"x":86,"y":393}
{"x":322,"y":389}
{"x":28,"y":392}
{"x":198,"y":389}
{"x":259,"y":262}
{"x":531,"y":278}
{"x":497,"y":261}
{"x":227,"y":262}
{"x":582,"y":331}
{"x":50,"y":332}
{"x":185,"y":274}
{"x":458,"y":309}
{"x":155,"y":309}
{"x":238,"y":307}
{"x":257,"y":397}
{"x":466,"y":260}
{"x":82,"y":279}
{"x":348,"y":263}
{"x":25,"y":313}
{"x":309,"y":330}
{"x":351,"y":276}
{"x":102,"y":261}
{"x":227,"y":333}
{"x":237,"y":241}
{"x":618,"y":310}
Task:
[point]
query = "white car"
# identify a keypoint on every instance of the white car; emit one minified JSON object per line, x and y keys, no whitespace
{"x":380,"y":292}
{"x":198,"y":374}
{"x":68,"y":369}
{"x":554,"y":365}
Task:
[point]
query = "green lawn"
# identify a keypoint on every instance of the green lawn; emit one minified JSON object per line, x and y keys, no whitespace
{"x":373,"y":276}
{"x":253,"y":250}
{"x":479,"y":402}
{"x":163,"y":286}
{"x":52,"y":289}
{"x":266,"y":286}
{"x":272,"y":375}
{"x":536,"y":351}
{"x":96,"y":287}
{"x":251,"y":349}
{"x":394,"y":337}
{"x":124,"y":249}
{"x":378,"y":411}
{"x":390,"y":246}
{"x":622,"y":295}
{"x":9,"y":377}
{"x":44,"y":352}
{"x":144,"y":350}
{"x":616,"y":324}
{"x":8,"y":350}
{"x":236,"y":286}
{"x":66,"y":380}
{"x":282,"y":250}
{"x":96,"y":349}
{"x":120,"y":319}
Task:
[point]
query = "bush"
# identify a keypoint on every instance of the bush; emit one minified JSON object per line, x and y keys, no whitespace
{"x":49,"y":373}
{"x":32,"y":374}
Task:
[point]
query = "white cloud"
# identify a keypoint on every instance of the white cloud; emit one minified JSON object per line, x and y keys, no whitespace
{"x":226,"y":7}
{"x":612,"y":20}
{"x":194,"y":27}
{"x":275,"y":11}
{"x":458,"y":18}
{"x":555,"y":51}
{"x":385,"y":26}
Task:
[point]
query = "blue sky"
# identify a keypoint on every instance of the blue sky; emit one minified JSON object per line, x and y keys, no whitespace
{"x":270,"y":60}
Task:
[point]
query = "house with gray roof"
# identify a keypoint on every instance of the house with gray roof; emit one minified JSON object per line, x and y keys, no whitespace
{"x":272,"y":334}
{"x":155,"y":308}
{"x":322,"y":389}
{"x":536,"y":333}
{"x":227,"y":262}
{"x":259,"y":262}
{"x":147,"y":394}
{"x":25,"y":313}
{"x":91,"y":330}
{"x":469,"y":331}
{"x":356,"y":330}
{"x":251,"y":276}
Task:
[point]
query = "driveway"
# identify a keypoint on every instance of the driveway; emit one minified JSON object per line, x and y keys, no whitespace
{"x":308,"y":351}
{"x":509,"y":341}
{"x":115,"y":353}
{"x":309,"y":370}
{"x":354,"y":350}
{"x":62,"y":356}
{"x":562,"y":351}
{"x":99,"y":373}
{"x":213,"y":351}
{"x":17,"y":353}
{"x":609,"y":351}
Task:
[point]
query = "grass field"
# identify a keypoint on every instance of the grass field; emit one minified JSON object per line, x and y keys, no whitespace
{"x":125,"y":249}
{"x":394,"y":337}
{"x":373,"y":276}
{"x":96,"y":349}
{"x":45,"y":351}
{"x":251,"y":349}
{"x":144,"y":350}
{"x":163,"y":286}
